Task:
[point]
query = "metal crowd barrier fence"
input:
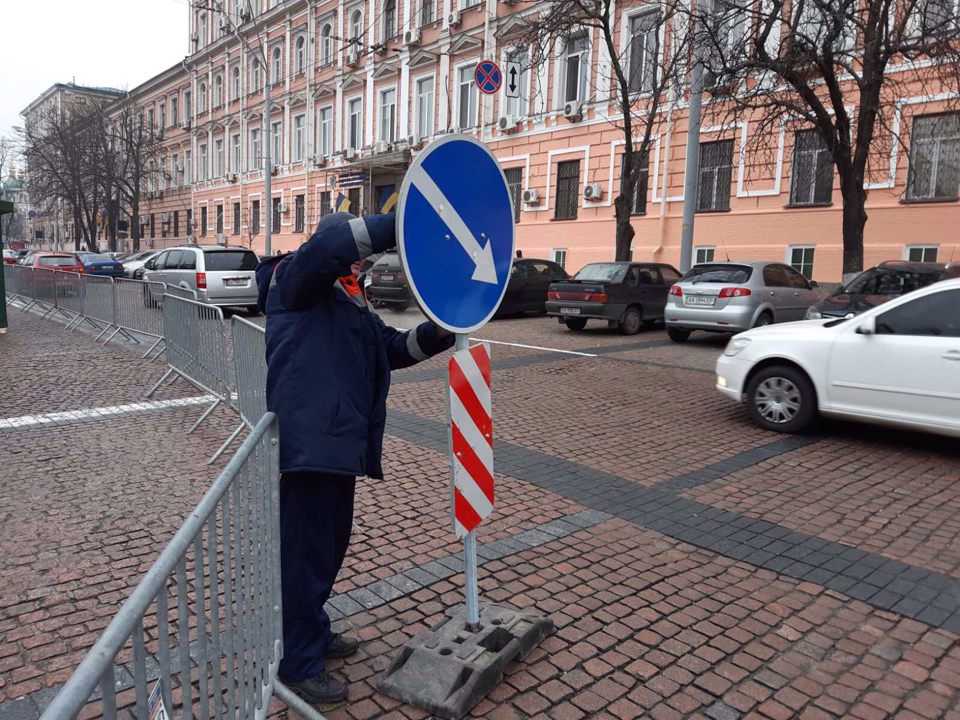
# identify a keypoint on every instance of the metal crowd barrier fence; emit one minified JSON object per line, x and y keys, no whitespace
{"x":134,"y":312}
{"x":19,"y":283}
{"x":181,"y":292}
{"x":250,"y":369}
{"x":44,"y":295}
{"x":195,"y":349}
{"x":98,"y":302}
{"x":202,"y":631}
{"x":69,"y":295}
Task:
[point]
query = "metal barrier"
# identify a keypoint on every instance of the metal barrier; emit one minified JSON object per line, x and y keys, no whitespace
{"x":98,"y":305}
{"x":19,"y":283}
{"x":69,"y":295}
{"x":250,"y":369}
{"x":180,"y":292}
{"x":195,"y":349}
{"x":134,"y":311}
{"x":203,"y":628}
{"x":44,"y":293}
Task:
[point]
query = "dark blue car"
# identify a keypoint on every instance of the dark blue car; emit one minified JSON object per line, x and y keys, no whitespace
{"x":100,"y":264}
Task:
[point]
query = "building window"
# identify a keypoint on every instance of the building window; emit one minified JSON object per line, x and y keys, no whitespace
{"x":202,"y":98}
{"x":934,"y":158}
{"x":255,"y":217}
{"x":174,"y":115}
{"x":219,"y":219}
{"x":276,"y":67}
{"x":424,"y":94}
{"x":236,"y":83}
{"x":575,"y":64}
{"x":187,"y":105}
{"x":235,"y":153}
{"x":218,"y":91}
{"x":218,"y":158}
{"x":299,"y":211}
{"x":203,"y":220}
{"x":516,"y":106}
{"x":812,"y":181}
{"x":277,"y":145}
{"x":801,"y":259}
{"x":325,"y":203}
{"x":644,"y":47}
{"x":703,"y":254}
{"x":153,"y":225}
{"x":300,"y":55}
{"x":716,"y":165}
{"x":256,"y":82}
{"x":254,"y":149}
{"x":638,"y":203}
{"x":187,"y":167}
{"x":326,"y":45}
{"x":176,"y":223}
{"x":353,"y":195}
{"x":568,"y":190}
{"x":299,"y":137}
{"x":189,"y":221}
{"x":162,"y":115}
{"x":921,"y":253}
{"x":275,"y":214}
{"x":426,"y":12}
{"x":236,"y":218}
{"x":202,"y":32}
{"x":389,"y":19}
{"x":325,"y":131}
{"x":150,"y":124}
{"x":202,"y":169}
{"x":356,"y":26}
{"x":388,"y":115}
{"x":355,"y":129}
{"x":467,"y":96}
{"x":560,"y":257}
{"x":514,"y":178}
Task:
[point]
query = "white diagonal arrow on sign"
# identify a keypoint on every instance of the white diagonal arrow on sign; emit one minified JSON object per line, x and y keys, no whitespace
{"x":481,"y":255}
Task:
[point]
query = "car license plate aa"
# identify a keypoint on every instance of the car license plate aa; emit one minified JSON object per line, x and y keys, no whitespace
{"x":386,"y":278}
{"x":700,"y":300}
{"x":235,"y":282}
{"x":570,"y":311}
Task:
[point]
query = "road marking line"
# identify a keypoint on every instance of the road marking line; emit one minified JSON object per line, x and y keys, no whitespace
{"x":66,"y":416}
{"x":533,"y":347}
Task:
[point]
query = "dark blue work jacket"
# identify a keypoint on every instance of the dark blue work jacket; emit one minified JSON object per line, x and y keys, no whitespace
{"x":328,"y":356}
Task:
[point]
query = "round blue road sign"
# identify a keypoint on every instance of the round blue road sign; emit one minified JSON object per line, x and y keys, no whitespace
{"x":488,"y":77}
{"x":455,"y":232}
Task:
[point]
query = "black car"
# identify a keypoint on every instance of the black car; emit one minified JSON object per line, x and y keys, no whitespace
{"x":625,"y":294}
{"x":529,"y":282}
{"x":388,"y":284}
{"x":876,"y":286}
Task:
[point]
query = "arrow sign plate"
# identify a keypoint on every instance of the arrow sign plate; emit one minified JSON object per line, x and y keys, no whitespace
{"x":511,"y":79}
{"x":455,"y":232}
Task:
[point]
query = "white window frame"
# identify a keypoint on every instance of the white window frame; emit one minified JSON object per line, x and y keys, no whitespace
{"x":202,"y":162}
{"x":218,"y":157}
{"x":397,"y":21}
{"x":325,"y":131}
{"x":559,"y":256}
{"x":627,"y":41}
{"x":299,"y":137}
{"x":276,"y":65}
{"x":256,"y":81}
{"x":300,"y":55}
{"x":583,"y":81}
{"x":276,"y":140}
{"x":356,"y":30}
{"x":712,"y":249}
{"x":788,"y":257}
{"x":255,"y":149}
{"x":202,"y":98}
{"x":236,"y":152}
{"x":474,"y":93}
{"x":349,"y":140}
{"x":236,"y":82}
{"x":391,"y":134}
{"x":419,"y":131}
{"x":923,"y":247}
{"x":218,"y":90}
{"x":187,"y":167}
{"x":326,"y":44}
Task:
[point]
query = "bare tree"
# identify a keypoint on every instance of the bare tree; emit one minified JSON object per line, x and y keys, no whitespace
{"x":637,"y":77}
{"x":837,"y":66}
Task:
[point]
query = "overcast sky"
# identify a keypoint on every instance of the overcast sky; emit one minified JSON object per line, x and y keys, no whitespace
{"x":117,"y":43}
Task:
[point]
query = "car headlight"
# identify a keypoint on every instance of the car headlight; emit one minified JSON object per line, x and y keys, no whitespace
{"x":813,"y":313}
{"x":736,"y":345}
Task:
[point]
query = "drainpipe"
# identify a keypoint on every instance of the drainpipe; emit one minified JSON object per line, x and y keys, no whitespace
{"x":661,"y":233}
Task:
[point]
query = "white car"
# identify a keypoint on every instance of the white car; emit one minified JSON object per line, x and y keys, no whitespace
{"x":897,"y":364}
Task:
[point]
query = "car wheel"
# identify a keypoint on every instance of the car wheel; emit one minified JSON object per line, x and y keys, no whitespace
{"x":678,"y":335}
{"x":400,"y":307}
{"x":631,"y":321}
{"x":765,"y":319}
{"x":781,"y":398}
{"x":575,"y":323}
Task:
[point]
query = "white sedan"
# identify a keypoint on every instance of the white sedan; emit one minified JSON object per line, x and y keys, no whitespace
{"x":897,"y":364}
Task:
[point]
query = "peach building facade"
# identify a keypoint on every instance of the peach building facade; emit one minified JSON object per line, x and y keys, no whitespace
{"x":358,"y":87}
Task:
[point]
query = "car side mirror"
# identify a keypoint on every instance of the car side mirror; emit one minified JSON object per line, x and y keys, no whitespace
{"x":868,"y":326}
{"x":814,"y":284}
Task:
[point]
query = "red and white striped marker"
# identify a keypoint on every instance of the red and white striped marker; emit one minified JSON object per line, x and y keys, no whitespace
{"x":471,"y":437}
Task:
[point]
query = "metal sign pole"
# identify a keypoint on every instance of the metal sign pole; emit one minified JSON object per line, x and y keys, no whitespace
{"x":470,"y":540}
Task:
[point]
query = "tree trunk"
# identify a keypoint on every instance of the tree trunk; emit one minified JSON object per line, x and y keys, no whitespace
{"x":854,"y":220}
{"x":135,"y":225}
{"x":625,"y":231}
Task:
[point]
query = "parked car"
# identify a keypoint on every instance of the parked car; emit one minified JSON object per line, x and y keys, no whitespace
{"x":220,"y":274}
{"x":66,"y":262}
{"x":9,"y":257}
{"x":388,"y":283}
{"x":730,"y":297}
{"x":895,"y":364}
{"x":529,"y":283}
{"x":133,"y":263}
{"x":100,"y":264}
{"x":876,"y":286}
{"x":627,"y":295}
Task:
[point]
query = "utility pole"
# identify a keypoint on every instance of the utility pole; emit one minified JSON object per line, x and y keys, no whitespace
{"x":692,"y":160}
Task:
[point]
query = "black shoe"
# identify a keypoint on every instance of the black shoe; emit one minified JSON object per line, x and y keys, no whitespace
{"x":320,"y":689}
{"x":341,"y":646}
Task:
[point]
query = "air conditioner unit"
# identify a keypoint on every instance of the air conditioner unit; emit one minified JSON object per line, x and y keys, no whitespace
{"x":453,"y":19}
{"x":531,"y":196}
{"x":319,"y":160}
{"x":284,"y":208}
{"x":573,"y":111}
{"x":244,"y":16}
{"x":349,"y":153}
{"x":413,"y":141}
{"x":412,"y":37}
{"x":232,"y":178}
{"x":178,"y":167}
{"x":221,"y":239}
{"x":274,"y":170}
{"x":185,"y":124}
{"x":381,"y":147}
{"x":163,"y":217}
{"x":507,"y":122}
{"x":593,"y":192}
{"x":191,"y":239}
{"x":144,"y":219}
{"x":353,"y":58}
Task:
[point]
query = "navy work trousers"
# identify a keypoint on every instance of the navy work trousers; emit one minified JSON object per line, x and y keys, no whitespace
{"x":316,"y":515}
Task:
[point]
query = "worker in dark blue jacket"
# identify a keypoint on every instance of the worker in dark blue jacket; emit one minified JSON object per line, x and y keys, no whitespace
{"x":329,"y":360}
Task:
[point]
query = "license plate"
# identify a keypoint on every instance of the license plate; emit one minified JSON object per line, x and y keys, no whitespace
{"x":235,"y":282}
{"x":569,"y":311}
{"x":699,"y":300}
{"x":386,"y":278}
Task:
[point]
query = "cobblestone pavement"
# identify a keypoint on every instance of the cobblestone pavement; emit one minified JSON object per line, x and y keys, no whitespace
{"x":695,"y":566}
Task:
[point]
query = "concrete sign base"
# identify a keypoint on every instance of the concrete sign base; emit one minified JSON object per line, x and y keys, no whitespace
{"x":447,"y":669}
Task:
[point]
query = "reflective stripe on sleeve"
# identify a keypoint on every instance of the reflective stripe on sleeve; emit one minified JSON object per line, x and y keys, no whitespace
{"x":361,"y":236}
{"x":413,"y":347}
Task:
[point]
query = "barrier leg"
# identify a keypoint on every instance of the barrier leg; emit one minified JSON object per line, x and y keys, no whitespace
{"x":156,"y":387}
{"x":111,"y":336}
{"x":151,"y":349}
{"x":226,"y":444}
{"x":205,"y":415}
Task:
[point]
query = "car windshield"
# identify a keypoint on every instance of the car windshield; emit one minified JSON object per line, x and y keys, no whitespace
{"x":890,"y":281}
{"x":57,"y":261}
{"x":718,"y":273}
{"x":612,"y":272}
{"x":221,"y":260}
{"x":139,"y":256}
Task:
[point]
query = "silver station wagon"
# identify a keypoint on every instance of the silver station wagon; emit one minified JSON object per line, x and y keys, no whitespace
{"x":220,"y":274}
